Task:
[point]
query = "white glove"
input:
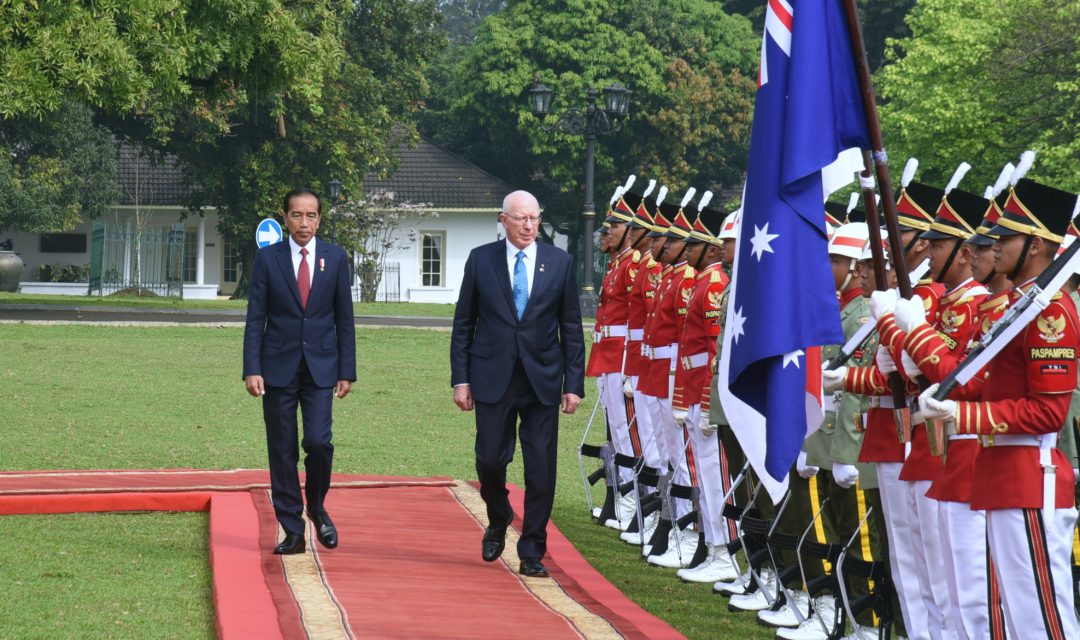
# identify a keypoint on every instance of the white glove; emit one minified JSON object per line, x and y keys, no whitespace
{"x":884,"y":361}
{"x":680,"y":417}
{"x":882,"y":302}
{"x":627,"y":387}
{"x":932,"y":409}
{"x":910,"y":314}
{"x":833,"y":379}
{"x":910,"y":368}
{"x":706,"y":428}
{"x":846,"y":475}
{"x":805,"y":470}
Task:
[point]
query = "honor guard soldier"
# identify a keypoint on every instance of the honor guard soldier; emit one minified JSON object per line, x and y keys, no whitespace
{"x":662,"y":330}
{"x":642,"y":290}
{"x":609,"y":346}
{"x":1024,"y":398}
{"x":690,"y":402}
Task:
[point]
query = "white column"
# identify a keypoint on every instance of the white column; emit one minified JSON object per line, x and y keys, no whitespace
{"x":200,"y":252}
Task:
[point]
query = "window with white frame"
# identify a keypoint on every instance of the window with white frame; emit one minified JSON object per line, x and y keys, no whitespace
{"x":191,"y":256}
{"x":432,"y":258}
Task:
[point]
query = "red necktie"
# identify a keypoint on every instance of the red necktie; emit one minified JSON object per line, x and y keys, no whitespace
{"x":303,"y":278}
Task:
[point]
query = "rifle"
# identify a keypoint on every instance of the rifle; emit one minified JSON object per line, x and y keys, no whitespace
{"x":873,"y":571}
{"x":1018,"y":316}
{"x":592,"y":451}
{"x":821,"y":550}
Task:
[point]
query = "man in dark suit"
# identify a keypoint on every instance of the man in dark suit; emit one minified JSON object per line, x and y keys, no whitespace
{"x":300,"y":349}
{"x":518,"y":351}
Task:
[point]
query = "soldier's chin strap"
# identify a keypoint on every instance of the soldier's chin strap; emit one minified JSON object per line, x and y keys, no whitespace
{"x":948,"y":261}
{"x":682,"y":252}
{"x":622,"y":240}
{"x":635,"y":243}
{"x":700,"y":259}
{"x":910,"y":245}
{"x":1023,"y":257}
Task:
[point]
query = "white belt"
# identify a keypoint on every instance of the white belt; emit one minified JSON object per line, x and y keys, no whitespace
{"x":969,"y":436}
{"x":1046,"y":444}
{"x":882,"y":402}
{"x":656,"y":353}
{"x":696,"y":360}
{"x":637,"y":335}
{"x":674,"y":357}
{"x":609,"y":331}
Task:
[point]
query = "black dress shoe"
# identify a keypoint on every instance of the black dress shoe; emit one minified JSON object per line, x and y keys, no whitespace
{"x":325,"y":530}
{"x":494,"y":542}
{"x":293,"y":543}
{"x":532,"y":568}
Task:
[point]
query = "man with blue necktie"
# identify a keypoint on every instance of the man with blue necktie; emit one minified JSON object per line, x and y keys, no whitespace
{"x":518,"y":352}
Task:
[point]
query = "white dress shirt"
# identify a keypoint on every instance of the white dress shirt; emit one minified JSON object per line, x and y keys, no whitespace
{"x":530,"y":262}
{"x":295,"y":253}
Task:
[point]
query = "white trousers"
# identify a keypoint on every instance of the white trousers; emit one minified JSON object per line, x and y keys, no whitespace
{"x":669,"y":437}
{"x":902,"y":554}
{"x":929,"y":560}
{"x":967,"y":569}
{"x":609,"y":386}
{"x":1032,"y":559}
{"x":710,"y":481}
{"x":646,"y":432}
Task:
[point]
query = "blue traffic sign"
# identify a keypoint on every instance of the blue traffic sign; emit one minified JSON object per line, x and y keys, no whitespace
{"x":267,"y":233}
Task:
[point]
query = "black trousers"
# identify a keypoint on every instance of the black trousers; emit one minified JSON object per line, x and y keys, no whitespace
{"x":496,"y":431}
{"x":279,"y":413}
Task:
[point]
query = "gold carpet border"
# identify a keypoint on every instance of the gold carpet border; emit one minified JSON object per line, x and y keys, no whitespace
{"x":547,"y":591}
{"x":320,"y":614}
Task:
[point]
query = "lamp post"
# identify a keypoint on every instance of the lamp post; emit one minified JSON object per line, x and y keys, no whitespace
{"x":590,"y":122}
{"x":335,"y":191}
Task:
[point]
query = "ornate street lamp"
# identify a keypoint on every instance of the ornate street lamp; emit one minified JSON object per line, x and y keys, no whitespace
{"x":335,"y":191}
{"x":590,"y":122}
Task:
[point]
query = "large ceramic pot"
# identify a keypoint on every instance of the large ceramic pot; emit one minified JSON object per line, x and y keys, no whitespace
{"x":11,"y":268}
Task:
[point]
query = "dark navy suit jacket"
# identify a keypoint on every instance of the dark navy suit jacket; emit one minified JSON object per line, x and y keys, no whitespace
{"x":279,"y":330}
{"x":488,"y":337}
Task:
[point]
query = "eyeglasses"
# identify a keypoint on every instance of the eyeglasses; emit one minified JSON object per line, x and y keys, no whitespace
{"x":523,"y":219}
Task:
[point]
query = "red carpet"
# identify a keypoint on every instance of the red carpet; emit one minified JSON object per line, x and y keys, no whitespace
{"x":408,"y":565}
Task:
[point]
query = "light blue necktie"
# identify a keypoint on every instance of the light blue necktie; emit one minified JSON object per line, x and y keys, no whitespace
{"x":521,"y":285}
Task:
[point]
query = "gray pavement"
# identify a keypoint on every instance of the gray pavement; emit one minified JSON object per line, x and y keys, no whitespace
{"x":59,"y":314}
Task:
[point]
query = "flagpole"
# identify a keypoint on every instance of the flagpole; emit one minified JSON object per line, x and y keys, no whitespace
{"x":873,"y":124}
{"x":873,"y":222}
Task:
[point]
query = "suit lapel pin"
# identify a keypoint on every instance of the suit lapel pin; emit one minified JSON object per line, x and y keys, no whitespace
{"x":322,"y":264}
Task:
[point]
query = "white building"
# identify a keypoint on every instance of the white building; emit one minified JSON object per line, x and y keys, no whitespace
{"x":466,"y":198}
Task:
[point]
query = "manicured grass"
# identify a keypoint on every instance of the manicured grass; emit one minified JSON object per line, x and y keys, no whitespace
{"x":428,"y":310}
{"x":140,"y":397}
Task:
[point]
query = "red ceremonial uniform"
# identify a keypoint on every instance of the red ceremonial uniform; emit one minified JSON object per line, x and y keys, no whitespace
{"x":697,"y":345}
{"x":663,"y":327}
{"x":938,"y":350}
{"x":643,"y":288}
{"x":1026,"y":394}
{"x":612,"y":315}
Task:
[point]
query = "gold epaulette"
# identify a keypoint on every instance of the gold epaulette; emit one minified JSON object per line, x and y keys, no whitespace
{"x":689,"y":273}
{"x":636,"y":258}
{"x":717,"y":276}
{"x":651,"y":263}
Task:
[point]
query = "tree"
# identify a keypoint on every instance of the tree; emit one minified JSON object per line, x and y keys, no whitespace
{"x":461,"y":17}
{"x":54,"y":170}
{"x":689,"y":64}
{"x":980,"y":82}
{"x":372,"y":228}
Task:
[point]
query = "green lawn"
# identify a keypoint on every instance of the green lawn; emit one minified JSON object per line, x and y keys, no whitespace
{"x":367,"y":308}
{"x":81,"y":397}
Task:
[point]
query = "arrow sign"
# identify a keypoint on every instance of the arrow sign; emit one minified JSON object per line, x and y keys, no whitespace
{"x":267,"y":233}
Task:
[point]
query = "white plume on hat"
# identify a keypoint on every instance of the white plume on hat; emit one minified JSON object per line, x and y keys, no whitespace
{"x":957,"y":176}
{"x":705,"y":199}
{"x":649,"y":189}
{"x":660,"y":196}
{"x":1027,"y":158}
{"x":1003,"y":179}
{"x":689,"y":196}
{"x":909,"y":172}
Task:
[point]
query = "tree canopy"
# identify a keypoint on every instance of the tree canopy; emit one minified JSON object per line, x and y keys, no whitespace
{"x":981,"y":82}
{"x":690,"y":65}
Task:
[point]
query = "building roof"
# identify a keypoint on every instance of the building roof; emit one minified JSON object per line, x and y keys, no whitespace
{"x":149,"y":179}
{"x":428,"y":173}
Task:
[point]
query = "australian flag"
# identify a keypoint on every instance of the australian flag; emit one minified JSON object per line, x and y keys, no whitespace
{"x":809,"y":125}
